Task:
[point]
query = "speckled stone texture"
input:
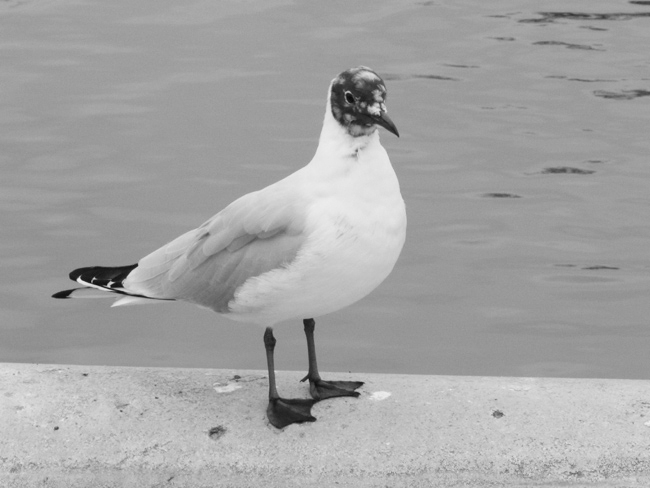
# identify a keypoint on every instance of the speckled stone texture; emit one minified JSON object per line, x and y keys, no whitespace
{"x":90,"y":426}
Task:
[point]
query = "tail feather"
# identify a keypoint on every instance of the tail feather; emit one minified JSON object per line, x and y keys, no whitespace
{"x":102,"y":278}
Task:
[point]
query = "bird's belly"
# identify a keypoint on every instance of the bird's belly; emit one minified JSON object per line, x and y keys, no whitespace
{"x":341,"y":263}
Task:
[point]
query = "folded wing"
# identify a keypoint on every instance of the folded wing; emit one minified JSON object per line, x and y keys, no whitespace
{"x":255,"y":234}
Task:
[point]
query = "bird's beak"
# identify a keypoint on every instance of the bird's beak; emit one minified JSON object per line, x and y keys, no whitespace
{"x":384,"y":120}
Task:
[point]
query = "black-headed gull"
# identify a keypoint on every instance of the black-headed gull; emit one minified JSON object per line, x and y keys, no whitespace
{"x":312,"y":243}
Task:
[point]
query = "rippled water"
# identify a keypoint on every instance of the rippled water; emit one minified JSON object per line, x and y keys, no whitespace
{"x":524,"y":160}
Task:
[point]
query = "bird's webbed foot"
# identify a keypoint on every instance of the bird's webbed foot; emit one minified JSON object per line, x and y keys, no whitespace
{"x":321,"y":389}
{"x":286,"y":411}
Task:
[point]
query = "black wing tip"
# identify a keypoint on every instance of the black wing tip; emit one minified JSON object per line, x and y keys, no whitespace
{"x":113,"y":273}
{"x":63,"y":294}
{"x":74,"y":274}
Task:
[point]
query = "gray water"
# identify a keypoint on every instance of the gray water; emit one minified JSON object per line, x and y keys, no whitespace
{"x":524,"y":161}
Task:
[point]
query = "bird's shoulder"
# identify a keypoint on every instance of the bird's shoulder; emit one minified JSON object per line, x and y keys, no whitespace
{"x":275,"y":212}
{"x":278,"y":208}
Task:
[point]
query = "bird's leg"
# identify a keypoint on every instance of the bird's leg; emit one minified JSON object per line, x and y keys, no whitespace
{"x":283,"y":411}
{"x":320,"y":389}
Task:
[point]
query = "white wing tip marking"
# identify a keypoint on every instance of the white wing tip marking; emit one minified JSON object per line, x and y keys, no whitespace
{"x":128,"y":300}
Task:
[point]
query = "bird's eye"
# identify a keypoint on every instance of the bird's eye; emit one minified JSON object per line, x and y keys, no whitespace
{"x":349,"y":97}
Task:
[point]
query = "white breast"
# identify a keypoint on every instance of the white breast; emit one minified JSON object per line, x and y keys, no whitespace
{"x":356,"y":223}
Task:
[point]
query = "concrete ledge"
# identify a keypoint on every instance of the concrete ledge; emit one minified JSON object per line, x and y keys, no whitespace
{"x":89,"y":426}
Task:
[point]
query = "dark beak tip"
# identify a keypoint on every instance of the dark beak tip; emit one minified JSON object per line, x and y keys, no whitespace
{"x":385,"y":121}
{"x":396,"y":132}
{"x":393,"y":130}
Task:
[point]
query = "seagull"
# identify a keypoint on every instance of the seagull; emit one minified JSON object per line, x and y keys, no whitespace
{"x":310,"y":244}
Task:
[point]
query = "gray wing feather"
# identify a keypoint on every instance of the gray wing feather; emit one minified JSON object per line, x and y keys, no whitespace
{"x":255,"y":234}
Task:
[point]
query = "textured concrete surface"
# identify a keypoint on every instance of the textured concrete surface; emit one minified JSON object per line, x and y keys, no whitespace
{"x":78,"y":426}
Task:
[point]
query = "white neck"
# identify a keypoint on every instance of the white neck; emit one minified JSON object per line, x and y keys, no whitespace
{"x":336,"y":141}
{"x":351,"y":165}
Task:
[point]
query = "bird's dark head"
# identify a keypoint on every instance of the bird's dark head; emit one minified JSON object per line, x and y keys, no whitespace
{"x":358,"y":98}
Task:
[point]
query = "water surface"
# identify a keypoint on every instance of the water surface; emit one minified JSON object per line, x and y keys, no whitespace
{"x":524,"y":161}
